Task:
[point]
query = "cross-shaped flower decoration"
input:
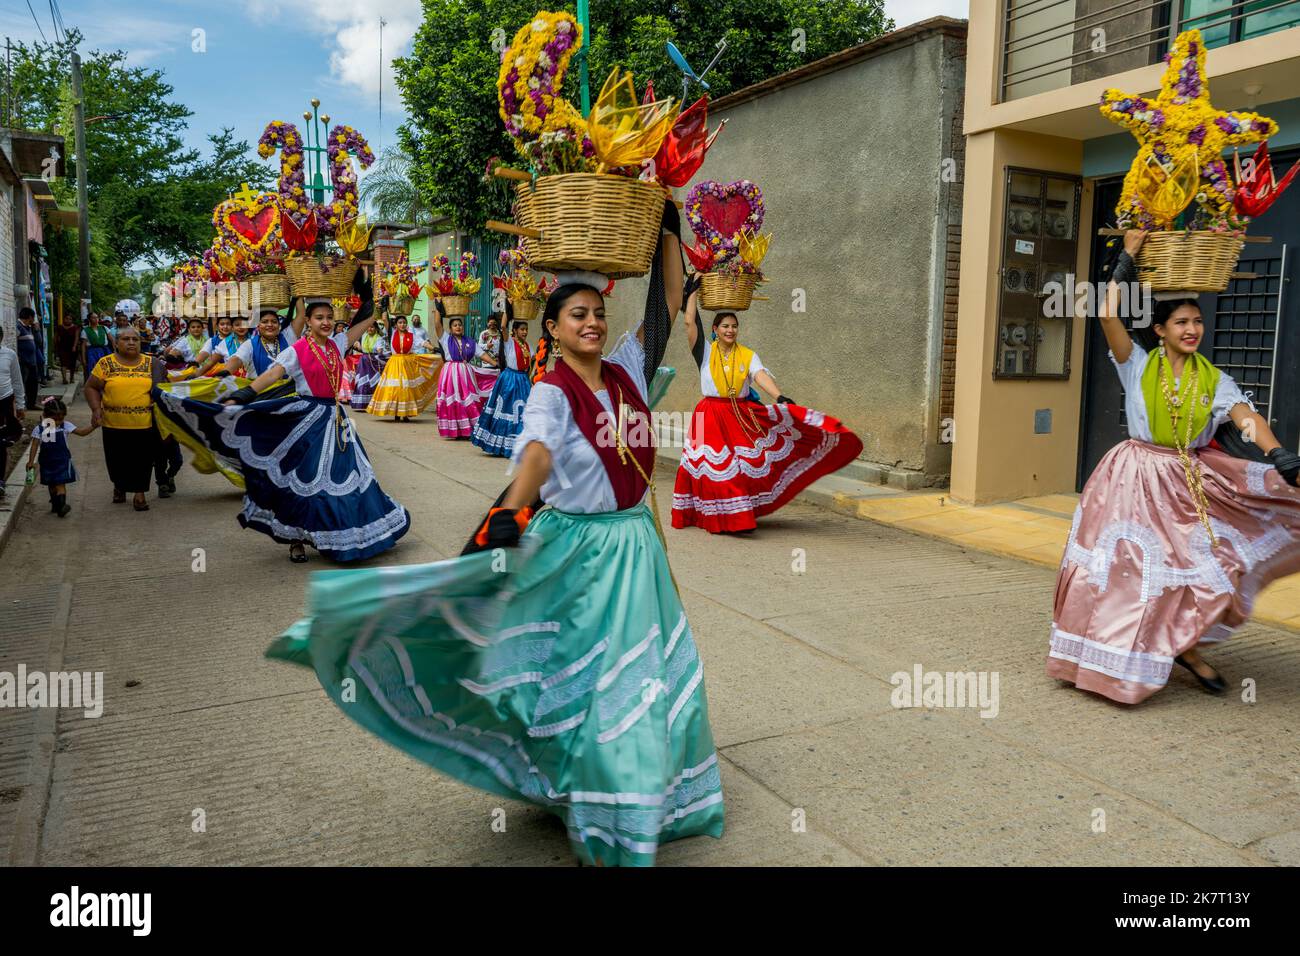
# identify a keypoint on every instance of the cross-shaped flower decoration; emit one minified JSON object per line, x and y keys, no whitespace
{"x":1180,"y":122}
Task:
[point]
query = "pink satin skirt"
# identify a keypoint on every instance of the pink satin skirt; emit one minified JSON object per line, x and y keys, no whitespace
{"x":1140,"y":583}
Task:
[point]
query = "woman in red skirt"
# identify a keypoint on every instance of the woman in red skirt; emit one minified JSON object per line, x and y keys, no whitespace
{"x":743,"y":459}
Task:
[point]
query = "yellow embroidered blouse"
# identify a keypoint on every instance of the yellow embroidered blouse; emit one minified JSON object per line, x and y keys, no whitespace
{"x":126,"y":392}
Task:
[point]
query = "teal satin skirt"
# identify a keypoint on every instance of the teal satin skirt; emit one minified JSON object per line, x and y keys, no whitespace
{"x":562,"y":672}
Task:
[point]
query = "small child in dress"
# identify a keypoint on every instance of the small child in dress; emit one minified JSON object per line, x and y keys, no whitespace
{"x":50,"y":445}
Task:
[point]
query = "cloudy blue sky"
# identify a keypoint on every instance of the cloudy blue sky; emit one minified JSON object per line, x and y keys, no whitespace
{"x":266,"y":59}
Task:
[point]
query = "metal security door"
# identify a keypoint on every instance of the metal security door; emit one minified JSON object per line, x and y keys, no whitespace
{"x":1252,"y":339}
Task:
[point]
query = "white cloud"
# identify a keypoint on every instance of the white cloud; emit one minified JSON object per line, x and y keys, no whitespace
{"x":914,"y":11}
{"x":352,"y":29}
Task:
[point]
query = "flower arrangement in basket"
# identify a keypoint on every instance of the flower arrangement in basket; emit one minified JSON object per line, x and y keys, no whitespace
{"x":521,"y":285}
{"x":322,"y":240}
{"x":593,"y":198}
{"x":1178,"y":185}
{"x":729,"y":249}
{"x":455,"y":290}
{"x":400,"y":283}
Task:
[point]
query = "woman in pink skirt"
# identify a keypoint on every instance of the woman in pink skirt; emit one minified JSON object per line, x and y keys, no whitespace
{"x":1173,"y":537}
{"x":461,"y":386}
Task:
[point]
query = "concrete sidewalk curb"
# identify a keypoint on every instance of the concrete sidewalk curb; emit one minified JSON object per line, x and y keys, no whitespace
{"x":9,"y":514}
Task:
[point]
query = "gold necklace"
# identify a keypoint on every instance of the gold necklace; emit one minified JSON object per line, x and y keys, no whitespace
{"x":745,"y":416}
{"x":333,"y":366}
{"x":1175,"y":404}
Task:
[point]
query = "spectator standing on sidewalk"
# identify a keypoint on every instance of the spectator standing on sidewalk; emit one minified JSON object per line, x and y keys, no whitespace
{"x":13,"y":400}
{"x":29,"y":355}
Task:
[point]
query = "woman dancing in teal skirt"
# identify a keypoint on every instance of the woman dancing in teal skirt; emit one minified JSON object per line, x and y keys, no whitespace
{"x":554,"y":663}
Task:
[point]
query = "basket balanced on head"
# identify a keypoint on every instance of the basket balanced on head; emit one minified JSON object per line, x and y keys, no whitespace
{"x":1178,"y":178}
{"x":583,"y":205}
{"x":728,"y":250}
{"x":455,"y":291}
{"x":310,"y":277}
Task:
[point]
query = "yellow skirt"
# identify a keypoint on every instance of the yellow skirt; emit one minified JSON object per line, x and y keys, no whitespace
{"x":406,"y":386}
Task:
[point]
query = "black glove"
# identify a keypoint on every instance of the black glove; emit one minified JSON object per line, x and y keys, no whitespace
{"x":672,"y":221}
{"x":442,"y":311}
{"x":510,"y":318}
{"x":692,"y":283}
{"x":785,"y":400}
{"x":1287,"y":463}
{"x":221,"y":373}
{"x":243,"y":396}
{"x":1124,"y":270}
{"x":501,"y":529}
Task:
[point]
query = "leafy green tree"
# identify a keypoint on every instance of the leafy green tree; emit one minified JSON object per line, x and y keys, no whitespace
{"x":150,"y":197}
{"x":389,"y":191}
{"x":448,"y":81}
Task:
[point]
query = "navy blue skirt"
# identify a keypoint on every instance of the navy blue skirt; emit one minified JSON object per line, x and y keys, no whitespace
{"x":306,"y":475}
{"x":502,"y":417}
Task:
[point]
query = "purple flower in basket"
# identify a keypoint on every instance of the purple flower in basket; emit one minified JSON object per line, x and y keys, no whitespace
{"x":1197,"y":136}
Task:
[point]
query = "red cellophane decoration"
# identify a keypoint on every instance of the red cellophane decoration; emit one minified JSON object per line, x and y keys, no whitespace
{"x":298,"y":238}
{"x":413,"y":290}
{"x":700,"y":255}
{"x":1253,"y":197}
{"x":682,"y":152}
{"x":354,"y":302}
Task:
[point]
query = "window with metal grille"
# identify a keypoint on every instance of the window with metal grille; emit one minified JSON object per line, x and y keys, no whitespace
{"x":1244,"y":339}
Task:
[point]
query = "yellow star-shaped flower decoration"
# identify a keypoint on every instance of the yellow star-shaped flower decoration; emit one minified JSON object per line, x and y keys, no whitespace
{"x":1182,"y":123}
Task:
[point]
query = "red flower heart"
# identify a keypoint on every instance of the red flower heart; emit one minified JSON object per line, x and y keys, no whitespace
{"x":256,"y":228}
{"x":727,"y":216}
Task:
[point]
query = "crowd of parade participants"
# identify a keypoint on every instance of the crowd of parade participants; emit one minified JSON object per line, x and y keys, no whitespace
{"x":523,"y":685}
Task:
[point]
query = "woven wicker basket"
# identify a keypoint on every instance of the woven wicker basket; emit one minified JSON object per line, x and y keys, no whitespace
{"x":308,"y":277}
{"x":590,"y":221}
{"x":401,"y":304}
{"x":269,"y":290}
{"x":525,"y":310}
{"x":719,"y":292}
{"x":1189,"y":261}
{"x":455,"y":305}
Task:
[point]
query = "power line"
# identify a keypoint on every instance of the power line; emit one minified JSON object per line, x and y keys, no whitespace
{"x":37,"y":22}
{"x":54,"y":22}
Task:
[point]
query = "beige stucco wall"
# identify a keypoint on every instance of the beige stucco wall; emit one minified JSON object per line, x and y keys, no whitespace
{"x":997,"y":456}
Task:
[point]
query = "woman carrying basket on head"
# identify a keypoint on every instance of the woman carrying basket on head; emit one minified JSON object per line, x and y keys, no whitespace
{"x":741,"y":459}
{"x":1172,"y":538}
{"x":573,"y":680}
{"x":307,"y":479}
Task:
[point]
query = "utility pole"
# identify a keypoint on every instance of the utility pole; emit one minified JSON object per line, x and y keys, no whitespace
{"x":83,"y":215}
{"x":382,"y":23}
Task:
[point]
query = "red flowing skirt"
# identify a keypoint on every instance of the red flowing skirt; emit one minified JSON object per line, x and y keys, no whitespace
{"x":732,"y":473}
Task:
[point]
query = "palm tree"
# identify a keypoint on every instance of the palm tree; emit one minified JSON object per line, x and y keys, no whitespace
{"x":389,"y":192}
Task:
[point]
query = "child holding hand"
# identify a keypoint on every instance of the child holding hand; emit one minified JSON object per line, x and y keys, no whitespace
{"x":50,"y":447}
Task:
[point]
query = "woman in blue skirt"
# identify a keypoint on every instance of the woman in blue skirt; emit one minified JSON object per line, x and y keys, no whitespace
{"x":554,"y":662}
{"x":503,"y":413}
{"x":307,"y":479}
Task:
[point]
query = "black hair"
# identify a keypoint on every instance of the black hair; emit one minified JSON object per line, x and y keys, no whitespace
{"x":54,"y":406}
{"x":514,"y":327}
{"x":318,"y":305}
{"x":265,"y":312}
{"x":1148,"y":337}
{"x":717,"y":319}
{"x":26,"y":312}
{"x":555,"y":301}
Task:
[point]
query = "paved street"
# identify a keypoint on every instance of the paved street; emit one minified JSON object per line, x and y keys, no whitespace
{"x":798,"y":670}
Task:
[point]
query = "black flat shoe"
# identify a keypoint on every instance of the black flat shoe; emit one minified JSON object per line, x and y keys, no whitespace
{"x":298,"y":555}
{"x":1215,"y":684}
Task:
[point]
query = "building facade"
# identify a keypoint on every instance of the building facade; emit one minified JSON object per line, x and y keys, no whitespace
{"x":1037,"y":403}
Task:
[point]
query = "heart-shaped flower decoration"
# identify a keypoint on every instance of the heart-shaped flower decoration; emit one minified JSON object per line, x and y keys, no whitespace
{"x":718,"y":213}
{"x":251,"y":222}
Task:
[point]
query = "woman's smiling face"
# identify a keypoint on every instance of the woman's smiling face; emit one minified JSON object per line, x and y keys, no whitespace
{"x":580,"y":327}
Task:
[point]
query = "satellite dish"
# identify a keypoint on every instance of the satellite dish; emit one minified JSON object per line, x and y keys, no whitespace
{"x":676,"y":56}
